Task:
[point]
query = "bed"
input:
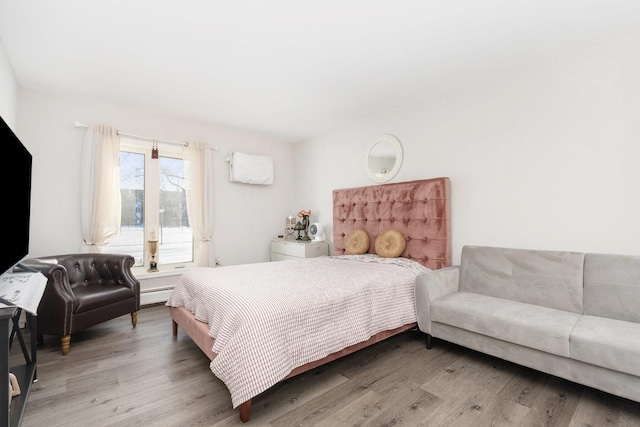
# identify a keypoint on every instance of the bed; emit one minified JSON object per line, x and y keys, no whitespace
{"x":262,"y":323}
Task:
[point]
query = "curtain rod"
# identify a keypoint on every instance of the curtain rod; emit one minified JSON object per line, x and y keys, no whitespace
{"x":143,"y":138}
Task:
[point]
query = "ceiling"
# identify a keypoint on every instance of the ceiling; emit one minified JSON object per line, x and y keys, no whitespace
{"x":291,"y":69}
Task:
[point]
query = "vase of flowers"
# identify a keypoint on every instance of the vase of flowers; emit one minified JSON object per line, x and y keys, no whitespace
{"x":305,"y":213}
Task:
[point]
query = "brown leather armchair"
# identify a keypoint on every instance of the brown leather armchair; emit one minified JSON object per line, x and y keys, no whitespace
{"x":83,"y":290}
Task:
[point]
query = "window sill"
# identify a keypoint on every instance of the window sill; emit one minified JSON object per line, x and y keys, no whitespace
{"x":143,"y":274}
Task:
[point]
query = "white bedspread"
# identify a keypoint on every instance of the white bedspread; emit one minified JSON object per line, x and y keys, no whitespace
{"x":269,"y":318}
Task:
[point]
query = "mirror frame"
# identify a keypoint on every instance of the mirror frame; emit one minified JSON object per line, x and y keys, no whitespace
{"x":387,"y":176}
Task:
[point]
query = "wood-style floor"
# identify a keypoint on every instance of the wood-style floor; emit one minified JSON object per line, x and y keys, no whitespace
{"x":116,"y":375}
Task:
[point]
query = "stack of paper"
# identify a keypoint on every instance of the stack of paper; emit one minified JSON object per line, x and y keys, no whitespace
{"x":22,"y":290}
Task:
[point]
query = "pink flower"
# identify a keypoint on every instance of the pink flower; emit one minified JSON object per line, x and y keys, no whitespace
{"x":304,"y":212}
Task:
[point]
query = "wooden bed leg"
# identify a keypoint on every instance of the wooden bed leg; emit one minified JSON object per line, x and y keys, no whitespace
{"x":175,"y":328}
{"x":245,"y":411}
{"x":428,"y":341}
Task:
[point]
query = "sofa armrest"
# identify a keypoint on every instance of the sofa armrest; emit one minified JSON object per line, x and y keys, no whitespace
{"x":431,"y":286}
{"x":128,"y":279}
{"x":58,"y":298}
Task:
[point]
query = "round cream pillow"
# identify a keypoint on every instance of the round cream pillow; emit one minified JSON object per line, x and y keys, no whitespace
{"x":357,"y":243}
{"x":390,"y":244}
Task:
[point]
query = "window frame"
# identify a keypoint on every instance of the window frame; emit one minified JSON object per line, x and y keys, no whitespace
{"x":152,"y":200}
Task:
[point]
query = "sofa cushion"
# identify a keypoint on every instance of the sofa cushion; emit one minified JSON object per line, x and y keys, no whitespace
{"x":542,"y":328}
{"x":546,"y":278}
{"x":612,"y":286}
{"x":91,"y":297}
{"x":610,"y":343}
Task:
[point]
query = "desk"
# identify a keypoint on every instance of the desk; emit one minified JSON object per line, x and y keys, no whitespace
{"x":10,"y":415}
{"x":24,"y":291}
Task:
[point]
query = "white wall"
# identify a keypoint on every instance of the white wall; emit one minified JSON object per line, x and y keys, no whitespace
{"x":546,"y":158}
{"x":8,"y":91}
{"x":247,"y":217}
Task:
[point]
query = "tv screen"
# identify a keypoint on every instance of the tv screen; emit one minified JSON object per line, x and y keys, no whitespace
{"x":16,"y":194}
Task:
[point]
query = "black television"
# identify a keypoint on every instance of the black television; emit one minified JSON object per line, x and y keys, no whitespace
{"x":15,"y":180}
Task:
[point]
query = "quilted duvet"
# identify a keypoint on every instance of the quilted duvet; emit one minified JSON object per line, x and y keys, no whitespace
{"x":269,"y":318}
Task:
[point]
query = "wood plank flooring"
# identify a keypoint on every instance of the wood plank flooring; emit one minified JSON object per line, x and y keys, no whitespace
{"x":116,"y":375}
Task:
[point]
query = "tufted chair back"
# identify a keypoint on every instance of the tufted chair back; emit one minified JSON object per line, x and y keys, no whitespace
{"x":84,"y":290}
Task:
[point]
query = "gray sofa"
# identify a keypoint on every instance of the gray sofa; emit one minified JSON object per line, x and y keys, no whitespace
{"x":569,"y":314}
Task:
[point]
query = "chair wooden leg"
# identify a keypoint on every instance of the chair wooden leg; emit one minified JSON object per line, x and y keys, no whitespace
{"x":134,"y":318}
{"x":65,"y":342}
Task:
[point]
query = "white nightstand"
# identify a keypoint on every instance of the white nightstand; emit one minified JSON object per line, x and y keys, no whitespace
{"x":281,"y":250}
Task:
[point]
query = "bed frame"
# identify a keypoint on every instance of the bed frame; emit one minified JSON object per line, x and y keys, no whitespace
{"x":420,"y":210}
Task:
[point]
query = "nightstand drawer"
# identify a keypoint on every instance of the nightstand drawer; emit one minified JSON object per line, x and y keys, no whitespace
{"x":281,"y":250}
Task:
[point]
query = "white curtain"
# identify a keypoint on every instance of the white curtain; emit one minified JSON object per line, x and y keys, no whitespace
{"x":199,"y":185}
{"x":100,"y":204}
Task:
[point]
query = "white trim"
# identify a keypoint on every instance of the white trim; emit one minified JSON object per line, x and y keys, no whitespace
{"x":155,"y":296}
{"x":142,"y":274}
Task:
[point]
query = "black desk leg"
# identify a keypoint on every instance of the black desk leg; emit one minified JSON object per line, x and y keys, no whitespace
{"x":33,"y":324}
{"x":6,"y":326}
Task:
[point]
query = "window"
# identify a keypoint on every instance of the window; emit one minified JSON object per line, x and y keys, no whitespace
{"x":153,"y":205}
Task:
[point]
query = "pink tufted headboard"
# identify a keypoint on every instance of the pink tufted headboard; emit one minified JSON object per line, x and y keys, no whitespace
{"x":420,"y":210}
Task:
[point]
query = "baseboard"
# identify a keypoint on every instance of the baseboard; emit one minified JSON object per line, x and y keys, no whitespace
{"x":155,"y":296}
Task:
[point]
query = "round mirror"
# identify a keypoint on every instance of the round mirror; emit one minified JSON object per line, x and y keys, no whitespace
{"x":383,"y":158}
